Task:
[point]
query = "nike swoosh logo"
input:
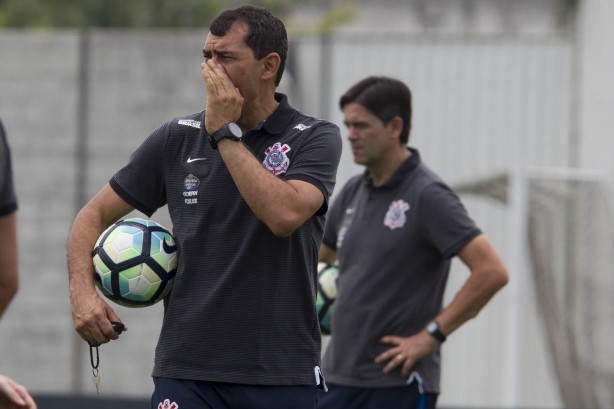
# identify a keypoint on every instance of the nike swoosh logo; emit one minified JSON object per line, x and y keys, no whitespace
{"x":168,"y":248}
{"x":190,"y":160}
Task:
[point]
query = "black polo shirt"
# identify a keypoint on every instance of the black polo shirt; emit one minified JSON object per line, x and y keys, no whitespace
{"x":394,"y":243}
{"x":242,"y":308}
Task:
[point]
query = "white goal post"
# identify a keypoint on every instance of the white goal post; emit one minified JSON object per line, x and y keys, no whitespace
{"x":564,"y":227}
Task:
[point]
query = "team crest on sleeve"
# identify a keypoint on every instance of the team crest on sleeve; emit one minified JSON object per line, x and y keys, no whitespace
{"x":395,"y":216}
{"x":276,"y":160}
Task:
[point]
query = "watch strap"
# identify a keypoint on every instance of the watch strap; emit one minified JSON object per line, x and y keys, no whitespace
{"x":222,"y":133}
{"x":433,"y":329}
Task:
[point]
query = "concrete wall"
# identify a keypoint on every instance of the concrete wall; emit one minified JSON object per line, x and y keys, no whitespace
{"x":595,"y":105}
{"x":482,"y":105}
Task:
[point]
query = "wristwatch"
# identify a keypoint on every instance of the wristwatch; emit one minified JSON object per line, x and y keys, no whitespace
{"x":433,"y":329}
{"x":229,"y":130}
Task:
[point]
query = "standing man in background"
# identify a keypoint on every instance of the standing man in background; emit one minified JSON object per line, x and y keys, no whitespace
{"x":247,"y":184}
{"x":12,"y":394}
{"x":393,"y":231}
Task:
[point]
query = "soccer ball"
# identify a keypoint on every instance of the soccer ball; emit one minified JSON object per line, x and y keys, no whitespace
{"x":135,"y":262}
{"x":327,"y":292}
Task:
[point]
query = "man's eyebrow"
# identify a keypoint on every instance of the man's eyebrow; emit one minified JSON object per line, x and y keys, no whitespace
{"x":355,"y":123}
{"x":221,"y":53}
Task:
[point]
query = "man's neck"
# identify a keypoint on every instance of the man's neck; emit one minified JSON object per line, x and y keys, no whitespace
{"x":388,"y":166}
{"x":257,"y":112}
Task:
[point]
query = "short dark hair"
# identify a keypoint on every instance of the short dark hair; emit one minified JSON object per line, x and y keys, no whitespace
{"x":266,"y":33}
{"x":385,"y":97}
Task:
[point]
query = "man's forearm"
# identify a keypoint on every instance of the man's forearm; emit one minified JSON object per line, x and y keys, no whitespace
{"x":280,"y":205}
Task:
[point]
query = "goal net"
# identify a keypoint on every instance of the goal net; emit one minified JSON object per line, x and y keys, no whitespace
{"x":570,"y":235}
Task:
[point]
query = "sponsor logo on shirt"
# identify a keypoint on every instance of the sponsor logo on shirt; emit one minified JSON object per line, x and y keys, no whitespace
{"x":191,"y":159}
{"x":276,"y":160}
{"x":341,"y":236}
{"x":395,"y":216}
{"x":347,"y":222}
{"x":189,"y":122}
{"x":302,"y":127}
{"x":190,"y":184}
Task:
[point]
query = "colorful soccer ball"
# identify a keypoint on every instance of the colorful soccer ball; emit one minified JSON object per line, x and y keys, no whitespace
{"x":327,"y":293}
{"x":135,"y":262}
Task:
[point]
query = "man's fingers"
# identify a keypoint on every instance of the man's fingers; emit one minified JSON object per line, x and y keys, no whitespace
{"x":391,"y":339}
{"x":394,"y":361}
{"x":215,"y":78}
{"x":407,"y":367}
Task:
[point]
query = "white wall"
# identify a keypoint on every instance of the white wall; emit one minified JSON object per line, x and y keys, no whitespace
{"x":596,"y":84}
{"x":480,"y":106}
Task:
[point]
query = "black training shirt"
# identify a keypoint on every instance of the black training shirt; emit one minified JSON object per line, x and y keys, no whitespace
{"x":242,"y":308}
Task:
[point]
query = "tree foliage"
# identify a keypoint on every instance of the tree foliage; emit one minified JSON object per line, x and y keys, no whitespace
{"x":120,"y":13}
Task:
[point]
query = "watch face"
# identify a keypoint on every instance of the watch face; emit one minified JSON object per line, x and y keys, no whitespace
{"x":235,"y":130}
{"x":432,"y":326}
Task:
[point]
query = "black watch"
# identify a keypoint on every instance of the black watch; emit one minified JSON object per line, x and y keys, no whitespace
{"x":229,"y":130}
{"x":433,"y":329}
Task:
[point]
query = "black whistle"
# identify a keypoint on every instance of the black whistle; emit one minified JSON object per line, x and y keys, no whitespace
{"x":118,"y":327}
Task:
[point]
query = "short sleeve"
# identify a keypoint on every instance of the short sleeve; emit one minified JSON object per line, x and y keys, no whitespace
{"x":141,"y":183}
{"x":318,"y":160}
{"x":445,"y":220}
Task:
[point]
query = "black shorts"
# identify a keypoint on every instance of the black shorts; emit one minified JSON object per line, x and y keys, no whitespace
{"x":186,"y":394}
{"x":402,"y":397}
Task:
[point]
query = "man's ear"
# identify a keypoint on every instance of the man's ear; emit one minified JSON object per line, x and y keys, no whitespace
{"x":396,"y":125}
{"x":270,"y":66}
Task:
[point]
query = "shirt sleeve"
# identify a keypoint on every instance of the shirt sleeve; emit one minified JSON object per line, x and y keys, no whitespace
{"x":330,"y":229}
{"x":141,"y":183}
{"x":336,"y":213}
{"x":318,"y":160}
{"x":445,"y":220}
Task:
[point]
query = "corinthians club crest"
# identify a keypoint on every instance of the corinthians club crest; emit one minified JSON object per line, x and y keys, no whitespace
{"x":395,"y":216}
{"x":167,"y":404}
{"x":276,"y":160}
